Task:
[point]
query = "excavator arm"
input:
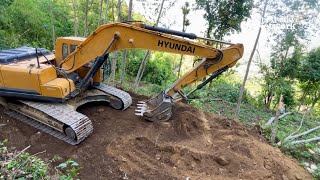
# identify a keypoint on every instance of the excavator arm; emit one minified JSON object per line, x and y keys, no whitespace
{"x":119,"y":36}
{"x":159,"y":108}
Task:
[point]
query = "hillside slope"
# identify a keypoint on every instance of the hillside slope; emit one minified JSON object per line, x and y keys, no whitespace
{"x":193,"y":144}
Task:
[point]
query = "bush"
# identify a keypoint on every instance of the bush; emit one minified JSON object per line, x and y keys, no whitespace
{"x":22,"y":165}
{"x":226,"y":90}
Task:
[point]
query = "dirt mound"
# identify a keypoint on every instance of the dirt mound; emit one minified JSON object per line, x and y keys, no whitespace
{"x":193,"y":145}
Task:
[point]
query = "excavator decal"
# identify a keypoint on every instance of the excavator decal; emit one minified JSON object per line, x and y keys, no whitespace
{"x":175,"y":46}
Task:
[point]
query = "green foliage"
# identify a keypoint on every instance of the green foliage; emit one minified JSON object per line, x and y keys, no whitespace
{"x":70,"y":169}
{"x":25,"y":166}
{"x":159,"y":69}
{"x":3,"y":146}
{"x":309,"y":77}
{"x":145,"y":88}
{"x":134,"y":59}
{"x":224,"y":17}
{"x":316,"y":174}
{"x":280,"y":76}
{"x":310,"y":69}
{"x":225,"y":90}
{"x":29,"y":23}
{"x":221,"y":99}
{"x":15,"y":165}
{"x":284,"y":88}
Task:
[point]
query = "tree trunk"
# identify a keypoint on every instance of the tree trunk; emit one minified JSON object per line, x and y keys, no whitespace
{"x":269,"y":100}
{"x":115,"y":54}
{"x":53,"y":30}
{"x":305,"y":141}
{"x":114,"y":67}
{"x":271,"y":120}
{"x":248,"y":66}
{"x":119,"y":11}
{"x":86,"y":19}
{"x":75,"y":19}
{"x":301,"y":134}
{"x":100,"y":12}
{"x":144,"y":61}
{"x":105,"y":20}
{"x":180,"y":64}
{"x":113,"y":14}
{"x":130,"y":11}
{"x":246,"y":76}
{"x":274,"y":125}
{"x":124,"y":60}
{"x":302,"y":100}
{"x":314,"y":102}
{"x":184,"y":26}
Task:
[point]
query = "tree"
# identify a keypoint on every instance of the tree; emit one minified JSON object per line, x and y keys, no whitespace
{"x":86,"y":19}
{"x":75,"y":18}
{"x":248,"y":65}
{"x":287,"y":51}
{"x":185,"y":23}
{"x":34,"y":19}
{"x":52,"y":27}
{"x":310,"y":75}
{"x":119,"y":11}
{"x":224,"y":16}
{"x":130,"y":11}
{"x":279,"y":77}
{"x":106,"y":13}
{"x":274,"y":124}
{"x":115,"y":55}
{"x":100,"y":12}
{"x":144,"y":61}
{"x":123,"y":69}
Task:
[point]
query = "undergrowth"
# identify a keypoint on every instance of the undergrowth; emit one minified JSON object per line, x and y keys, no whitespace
{"x":21,"y":165}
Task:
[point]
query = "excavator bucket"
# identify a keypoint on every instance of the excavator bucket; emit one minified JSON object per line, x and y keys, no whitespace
{"x":158,"y":108}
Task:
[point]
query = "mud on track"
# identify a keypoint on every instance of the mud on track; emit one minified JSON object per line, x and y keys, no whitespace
{"x":192,"y":144}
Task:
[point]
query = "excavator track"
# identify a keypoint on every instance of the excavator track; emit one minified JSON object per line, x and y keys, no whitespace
{"x":122,"y":95}
{"x":59,"y":114}
{"x":42,"y":127}
{"x":55,"y":118}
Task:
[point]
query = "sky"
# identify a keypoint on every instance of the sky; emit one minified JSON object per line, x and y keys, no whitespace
{"x":173,"y":20}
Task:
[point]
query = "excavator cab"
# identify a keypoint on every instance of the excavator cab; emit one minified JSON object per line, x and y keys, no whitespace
{"x":65,"y":46}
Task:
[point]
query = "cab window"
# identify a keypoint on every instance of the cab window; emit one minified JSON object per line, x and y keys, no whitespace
{"x":72,"y":48}
{"x":64,"y":50}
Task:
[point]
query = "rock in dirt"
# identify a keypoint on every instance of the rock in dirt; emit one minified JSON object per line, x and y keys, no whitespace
{"x":100,"y":110}
{"x":284,"y":177}
{"x":158,"y":157}
{"x":223,"y":161}
{"x":298,"y":177}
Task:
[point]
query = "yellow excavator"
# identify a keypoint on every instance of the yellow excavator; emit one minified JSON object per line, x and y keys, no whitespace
{"x":44,"y":89}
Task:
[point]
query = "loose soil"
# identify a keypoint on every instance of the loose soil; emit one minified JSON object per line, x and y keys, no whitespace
{"x":192,"y":145}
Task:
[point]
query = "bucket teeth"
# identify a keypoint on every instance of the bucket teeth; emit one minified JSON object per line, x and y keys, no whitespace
{"x":141,"y":108}
{"x":138,"y":114}
{"x":158,"y":108}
